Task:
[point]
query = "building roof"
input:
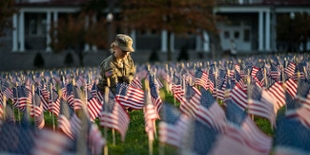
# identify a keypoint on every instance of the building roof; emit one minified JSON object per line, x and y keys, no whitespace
{"x":287,"y":2}
{"x":52,"y":2}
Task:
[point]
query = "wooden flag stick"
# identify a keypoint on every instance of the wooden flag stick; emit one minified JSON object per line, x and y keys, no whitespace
{"x":17,"y":100}
{"x":52,"y":100}
{"x":249,"y":92}
{"x":4,"y":107}
{"x":106,"y":100}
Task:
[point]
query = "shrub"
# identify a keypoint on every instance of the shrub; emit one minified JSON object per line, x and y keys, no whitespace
{"x":69,"y":59}
{"x":38,"y":61}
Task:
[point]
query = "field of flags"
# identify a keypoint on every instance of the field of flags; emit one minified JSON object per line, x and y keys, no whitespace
{"x":61,"y":111}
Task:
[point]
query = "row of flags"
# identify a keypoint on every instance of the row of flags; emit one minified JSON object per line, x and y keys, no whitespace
{"x":217,"y":100}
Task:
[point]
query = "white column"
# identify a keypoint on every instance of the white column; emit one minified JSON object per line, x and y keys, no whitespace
{"x":133,"y":37}
{"x":267,"y":32}
{"x":21,"y":35}
{"x":94,"y":47}
{"x":198,"y":43}
{"x":172,"y":38}
{"x":260,"y":31}
{"x":14,"y":35}
{"x":48,"y":27}
{"x":206,"y":42}
{"x":164,"y":41}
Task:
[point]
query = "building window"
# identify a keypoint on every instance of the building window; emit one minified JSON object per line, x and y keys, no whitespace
{"x":236,"y":35}
{"x":226,"y":35}
{"x":246,"y":35}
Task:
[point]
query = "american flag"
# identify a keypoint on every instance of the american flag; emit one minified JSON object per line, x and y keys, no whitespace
{"x":16,"y":139}
{"x":177,"y":89}
{"x":22,"y":97}
{"x":291,"y":86}
{"x":201,"y":78}
{"x":204,"y":138}
{"x":303,"y":91}
{"x":220,"y":93}
{"x":7,"y":91}
{"x":290,"y":69}
{"x":239,"y":95}
{"x":210,"y":113}
{"x":95,"y":139}
{"x":275,"y":72}
{"x":113,"y":116}
{"x":64,"y":117}
{"x":54,"y":103}
{"x":190,"y":105}
{"x":291,"y":104}
{"x":278,"y":93}
{"x":291,"y":137}
{"x":301,"y":114}
{"x":261,"y":103}
{"x":93,"y":106}
{"x":258,"y":75}
{"x":78,"y":99}
{"x":129,"y":96}
{"x":50,"y":142}
{"x":211,"y":80}
{"x":154,"y":90}
{"x":242,"y":129}
{"x":37,"y":109}
{"x":136,"y":83}
{"x":150,"y":116}
{"x":173,"y":126}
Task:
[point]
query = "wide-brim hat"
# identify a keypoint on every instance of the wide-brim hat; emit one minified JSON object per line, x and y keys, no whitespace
{"x":124,"y":42}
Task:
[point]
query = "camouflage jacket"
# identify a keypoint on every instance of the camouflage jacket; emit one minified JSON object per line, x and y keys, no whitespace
{"x":116,"y":72}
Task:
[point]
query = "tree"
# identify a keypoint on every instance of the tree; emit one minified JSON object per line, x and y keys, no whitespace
{"x":7,"y":10}
{"x":294,"y":30}
{"x":175,"y":16}
{"x":76,"y":30}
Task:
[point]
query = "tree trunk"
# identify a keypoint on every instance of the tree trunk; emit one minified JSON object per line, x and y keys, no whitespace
{"x":81,"y":58}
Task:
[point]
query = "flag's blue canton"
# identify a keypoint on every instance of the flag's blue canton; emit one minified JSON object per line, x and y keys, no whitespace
{"x":292,"y":134}
{"x":37,"y":99}
{"x":69,"y":88}
{"x":300,"y":67}
{"x":206,"y":99}
{"x":234,"y":113}
{"x":77,"y":92}
{"x":54,"y":95}
{"x":21,"y":91}
{"x":154,"y":93}
{"x":291,"y":104}
{"x":65,"y":110}
{"x":109,"y":107}
{"x":303,"y":88}
{"x":212,"y":69}
{"x":222,"y":74}
{"x":260,"y":75}
{"x":221,"y":84}
{"x":16,"y":139}
{"x":212,"y":78}
{"x":121,"y":89}
{"x":229,"y":84}
{"x":94,"y":87}
{"x":204,"y":138}
{"x":169,"y":113}
{"x":273,"y":67}
{"x":189,"y":92}
{"x":255,"y":92}
{"x":237,"y":76}
{"x":176,"y":79}
{"x":198,"y":73}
